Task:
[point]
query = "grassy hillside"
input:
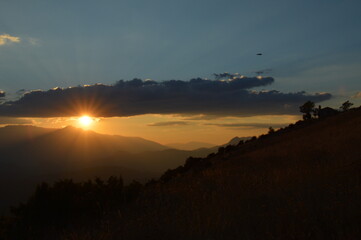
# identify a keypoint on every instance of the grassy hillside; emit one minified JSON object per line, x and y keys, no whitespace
{"x":301,"y":182}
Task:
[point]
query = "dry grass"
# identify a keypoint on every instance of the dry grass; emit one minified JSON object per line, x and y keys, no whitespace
{"x":300,"y":184}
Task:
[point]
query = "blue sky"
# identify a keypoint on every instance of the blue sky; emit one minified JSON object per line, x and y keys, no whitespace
{"x":67,"y":43}
{"x":312,"y":46}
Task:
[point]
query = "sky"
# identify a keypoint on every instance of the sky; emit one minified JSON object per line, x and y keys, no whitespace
{"x":311,"y":50}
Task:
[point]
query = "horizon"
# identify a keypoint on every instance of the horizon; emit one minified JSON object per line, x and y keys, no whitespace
{"x":86,"y":129}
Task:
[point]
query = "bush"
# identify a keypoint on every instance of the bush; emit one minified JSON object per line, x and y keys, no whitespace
{"x":67,"y":204}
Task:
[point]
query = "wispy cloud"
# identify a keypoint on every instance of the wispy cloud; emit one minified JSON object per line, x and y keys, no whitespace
{"x":248,"y":125}
{"x":199,"y":117}
{"x":6,"y":39}
{"x":170,"y":123}
{"x":7,"y":121}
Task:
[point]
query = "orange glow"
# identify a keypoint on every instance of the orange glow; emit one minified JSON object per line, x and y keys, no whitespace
{"x":207,"y":130}
{"x":85,"y":121}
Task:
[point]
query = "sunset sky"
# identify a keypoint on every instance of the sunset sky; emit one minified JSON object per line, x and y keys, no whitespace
{"x":60,"y":60}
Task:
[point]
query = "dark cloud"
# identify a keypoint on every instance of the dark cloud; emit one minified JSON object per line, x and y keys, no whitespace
{"x":7,"y":120}
{"x":248,"y":125}
{"x":127,"y":98}
{"x":170,"y":123}
{"x":225,"y":75}
{"x":2,"y":94}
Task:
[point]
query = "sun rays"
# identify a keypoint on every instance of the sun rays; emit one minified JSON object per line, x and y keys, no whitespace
{"x":85,"y":121}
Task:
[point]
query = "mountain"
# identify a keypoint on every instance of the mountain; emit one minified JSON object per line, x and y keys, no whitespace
{"x":59,"y":149}
{"x":235,"y":141}
{"x":190,"y":145}
{"x":31,"y":154}
{"x":205,"y":147}
{"x":51,"y":151}
{"x":299,"y":182}
{"x":13,"y":134}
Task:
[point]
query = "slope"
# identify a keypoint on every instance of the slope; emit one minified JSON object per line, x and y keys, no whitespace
{"x":302,"y":182}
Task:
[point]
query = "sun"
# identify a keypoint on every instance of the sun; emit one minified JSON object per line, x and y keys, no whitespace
{"x":85,"y":121}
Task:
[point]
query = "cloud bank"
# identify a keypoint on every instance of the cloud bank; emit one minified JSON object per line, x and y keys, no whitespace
{"x":6,"y":39}
{"x":169,"y":123}
{"x":248,"y":125}
{"x":222,"y":97}
{"x":17,"y":121}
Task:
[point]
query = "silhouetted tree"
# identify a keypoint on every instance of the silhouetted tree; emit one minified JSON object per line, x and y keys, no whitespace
{"x":346,"y":106}
{"x":67,"y":204}
{"x":271,"y":130}
{"x":307,"y":109}
{"x":316,"y":111}
{"x":221,"y":150}
{"x":132,"y":191}
{"x":241,"y":143}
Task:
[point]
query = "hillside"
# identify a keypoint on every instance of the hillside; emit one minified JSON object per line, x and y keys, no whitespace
{"x":300,"y":182}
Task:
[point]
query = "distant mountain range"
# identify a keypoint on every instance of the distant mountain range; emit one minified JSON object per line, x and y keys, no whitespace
{"x":31,"y":154}
{"x":190,"y":145}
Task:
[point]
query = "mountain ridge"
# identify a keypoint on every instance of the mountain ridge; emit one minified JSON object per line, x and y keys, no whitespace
{"x":32,"y":154}
{"x":192,"y":145}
